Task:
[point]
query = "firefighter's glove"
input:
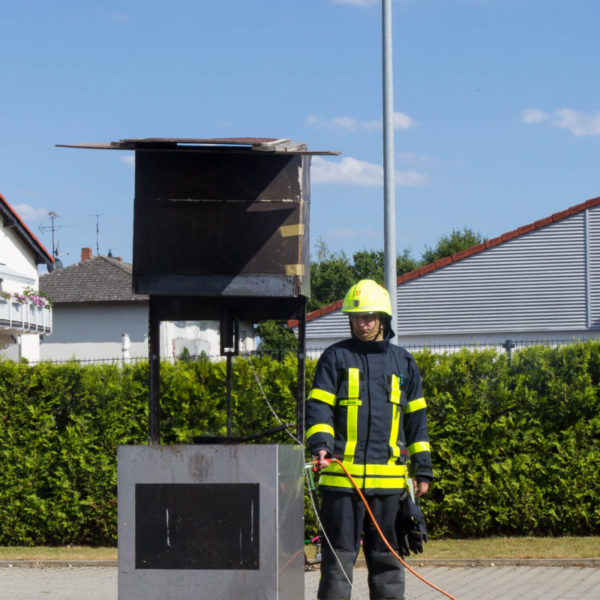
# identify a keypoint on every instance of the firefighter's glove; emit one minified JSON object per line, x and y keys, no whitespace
{"x":410,"y":527}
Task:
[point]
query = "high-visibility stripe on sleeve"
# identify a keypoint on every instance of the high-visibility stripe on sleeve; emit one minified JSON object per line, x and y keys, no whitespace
{"x":322,"y":396}
{"x":419,"y":447}
{"x":414,"y":405}
{"x":320,"y":428}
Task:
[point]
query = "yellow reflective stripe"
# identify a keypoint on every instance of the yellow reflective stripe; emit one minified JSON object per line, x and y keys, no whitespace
{"x":337,"y":481}
{"x":370,"y":469}
{"x":353,"y":383}
{"x":395,"y":391}
{"x":386,"y":470}
{"x":352,"y":414}
{"x":382,"y":483}
{"x":320,"y":428}
{"x":350,"y":402}
{"x":372,"y":483}
{"x":414,"y":405}
{"x":419,"y":447}
{"x":354,"y":470}
{"x":352,"y":433}
{"x":366,"y":476}
{"x":394,"y":435}
{"x":322,"y":396}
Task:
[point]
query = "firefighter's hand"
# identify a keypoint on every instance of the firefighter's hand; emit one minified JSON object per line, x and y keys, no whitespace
{"x":420,"y":487}
{"x":321,"y":462}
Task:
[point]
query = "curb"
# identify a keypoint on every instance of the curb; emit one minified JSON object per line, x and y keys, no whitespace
{"x":360,"y":564}
{"x":62,"y":564}
{"x":498,"y":562}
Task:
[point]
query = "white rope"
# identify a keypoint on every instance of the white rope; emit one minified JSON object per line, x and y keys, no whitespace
{"x":262,"y":391}
{"x":308,"y":482}
{"x":316,"y":512}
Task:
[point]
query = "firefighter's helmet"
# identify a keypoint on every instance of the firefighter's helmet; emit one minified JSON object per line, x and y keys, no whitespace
{"x":367,"y":296}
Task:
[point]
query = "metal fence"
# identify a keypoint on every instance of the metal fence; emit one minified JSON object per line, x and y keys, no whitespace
{"x":508,"y":346}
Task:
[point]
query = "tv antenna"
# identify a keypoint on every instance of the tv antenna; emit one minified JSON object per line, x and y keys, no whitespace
{"x":97,"y":232}
{"x":53,"y":227}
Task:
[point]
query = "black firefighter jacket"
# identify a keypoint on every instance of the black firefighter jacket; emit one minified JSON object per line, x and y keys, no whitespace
{"x":366,"y":408}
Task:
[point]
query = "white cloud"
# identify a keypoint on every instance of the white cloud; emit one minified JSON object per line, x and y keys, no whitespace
{"x":351,"y":171}
{"x":129,"y":159}
{"x":401,"y":121}
{"x":28,"y":213}
{"x":577,"y":122}
{"x":534,"y":115}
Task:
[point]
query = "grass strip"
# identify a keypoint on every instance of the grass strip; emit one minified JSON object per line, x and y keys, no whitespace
{"x":496,"y":547}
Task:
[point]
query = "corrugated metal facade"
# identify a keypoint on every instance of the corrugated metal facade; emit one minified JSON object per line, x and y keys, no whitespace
{"x":547,"y":280}
{"x":594,"y":266}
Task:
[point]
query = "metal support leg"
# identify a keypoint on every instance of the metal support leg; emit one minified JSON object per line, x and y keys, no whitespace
{"x":229,"y":395}
{"x":301,"y":389}
{"x":154,"y":376}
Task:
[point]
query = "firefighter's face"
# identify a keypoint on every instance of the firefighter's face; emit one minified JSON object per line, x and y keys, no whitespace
{"x":365,"y":326}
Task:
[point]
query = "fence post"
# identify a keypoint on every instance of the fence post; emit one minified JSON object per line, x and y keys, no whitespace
{"x":508,"y":346}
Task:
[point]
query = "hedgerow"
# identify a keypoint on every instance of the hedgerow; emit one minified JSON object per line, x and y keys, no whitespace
{"x":515,"y":444}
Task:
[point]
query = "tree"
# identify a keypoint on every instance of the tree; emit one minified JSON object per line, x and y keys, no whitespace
{"x":447,"y":245}
{"x":369,"y":264}
{"x":405,"y":262}
{"x":274,"y":335}
{"x":330,"y":276}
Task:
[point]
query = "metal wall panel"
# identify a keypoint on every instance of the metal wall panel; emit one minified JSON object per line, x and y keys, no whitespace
{"x":594,"y":266}
{"x":535,"y":282}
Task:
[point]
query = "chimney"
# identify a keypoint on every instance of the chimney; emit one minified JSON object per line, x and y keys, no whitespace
{"x":86,"y":254}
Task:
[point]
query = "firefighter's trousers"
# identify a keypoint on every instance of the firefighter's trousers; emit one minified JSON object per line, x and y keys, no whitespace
{"x":344,"y":518}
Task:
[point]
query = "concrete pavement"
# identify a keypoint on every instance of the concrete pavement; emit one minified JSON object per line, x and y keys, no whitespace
{"x":498,"y":582}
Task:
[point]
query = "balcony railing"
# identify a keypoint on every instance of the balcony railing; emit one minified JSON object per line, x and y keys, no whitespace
{"x":16,"y":317}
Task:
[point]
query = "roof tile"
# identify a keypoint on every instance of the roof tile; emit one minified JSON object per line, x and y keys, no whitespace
{"x":99,"y":279}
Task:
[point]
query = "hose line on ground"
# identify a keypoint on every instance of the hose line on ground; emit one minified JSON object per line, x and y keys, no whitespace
{"x":372,"y":517}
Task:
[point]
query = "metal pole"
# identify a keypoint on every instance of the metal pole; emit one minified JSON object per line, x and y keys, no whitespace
{"x":154,"y":375}
{"x":389,"y":199}
{"x":301,"y":390}
{"x":229,"y":395}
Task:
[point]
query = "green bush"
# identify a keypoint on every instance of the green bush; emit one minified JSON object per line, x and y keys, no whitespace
{"x":515,"y":444}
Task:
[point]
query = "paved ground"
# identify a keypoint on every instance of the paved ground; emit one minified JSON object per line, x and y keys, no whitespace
{"x":464,"y":583}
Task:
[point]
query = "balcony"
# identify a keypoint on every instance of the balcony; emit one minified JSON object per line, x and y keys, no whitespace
{"x":18,"y":318}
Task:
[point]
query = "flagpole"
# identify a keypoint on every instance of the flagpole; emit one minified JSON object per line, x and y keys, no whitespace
{"x":389,"y":199}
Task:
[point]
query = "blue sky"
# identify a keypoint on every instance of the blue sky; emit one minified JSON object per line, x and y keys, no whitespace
{"x":497,"y":102}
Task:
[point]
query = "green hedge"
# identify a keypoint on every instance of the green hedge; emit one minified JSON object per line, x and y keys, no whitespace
{"x":516,"y":446}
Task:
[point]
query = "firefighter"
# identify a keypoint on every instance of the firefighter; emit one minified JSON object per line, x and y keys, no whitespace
{"x":366,"y":408}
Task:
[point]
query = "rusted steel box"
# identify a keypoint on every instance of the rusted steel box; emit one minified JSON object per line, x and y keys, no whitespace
{"x":221,"y":222}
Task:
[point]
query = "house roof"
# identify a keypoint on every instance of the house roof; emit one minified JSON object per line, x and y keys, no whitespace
{"x":10,"y":214}
{"x":98,"y":279}
{"x":442,"y":262}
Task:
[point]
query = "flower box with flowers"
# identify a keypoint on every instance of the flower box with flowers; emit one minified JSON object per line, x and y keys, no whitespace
{"x":27,"y":310}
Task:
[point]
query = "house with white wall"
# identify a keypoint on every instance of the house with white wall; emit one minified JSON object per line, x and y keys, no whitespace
{"x":97,"y":317}
{"x":24,"y":316}
{"x":540,"y":282}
